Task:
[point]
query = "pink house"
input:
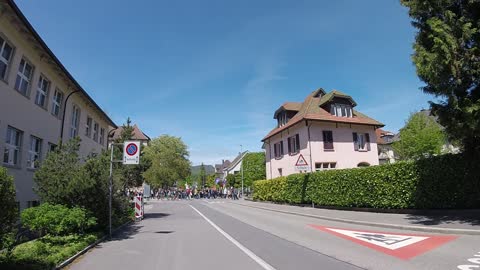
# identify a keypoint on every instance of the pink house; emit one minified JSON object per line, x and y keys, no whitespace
{"x":322,"y":133}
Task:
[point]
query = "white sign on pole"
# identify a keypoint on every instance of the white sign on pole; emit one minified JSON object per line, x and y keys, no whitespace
{"x":131,"y":152}
{"x":302,"y":164}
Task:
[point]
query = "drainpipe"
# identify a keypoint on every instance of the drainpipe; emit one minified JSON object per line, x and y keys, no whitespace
{"x":310,"y":145}
{"x":63,"y":117}
{"x":270,"y":158}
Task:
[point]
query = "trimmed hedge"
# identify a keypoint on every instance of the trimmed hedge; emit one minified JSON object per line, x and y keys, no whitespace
{"x":447,"y":181}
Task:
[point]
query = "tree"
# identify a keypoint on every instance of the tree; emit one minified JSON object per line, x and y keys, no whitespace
{"x":202,"y":175}
{"x":447,"y":58}
{"x":421,"y":137}
{"x":253,"y":168}
{"x":169,"y":161}
{"x":8,"y":207}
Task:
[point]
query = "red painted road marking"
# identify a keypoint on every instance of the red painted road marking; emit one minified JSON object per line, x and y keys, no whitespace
{"x":403,"y":246}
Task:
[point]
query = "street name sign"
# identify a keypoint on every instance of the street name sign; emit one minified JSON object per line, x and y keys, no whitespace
{"x":403,"y":246}
{"x":131,"y":152}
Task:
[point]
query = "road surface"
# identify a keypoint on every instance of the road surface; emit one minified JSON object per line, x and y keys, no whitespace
{"x":219,"y":234}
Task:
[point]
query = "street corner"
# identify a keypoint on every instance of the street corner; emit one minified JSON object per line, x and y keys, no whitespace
{"x":399,"y":245}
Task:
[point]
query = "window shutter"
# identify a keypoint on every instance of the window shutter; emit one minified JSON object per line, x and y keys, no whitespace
{"x":332,"y":109}
{"x":289,"y":145}
{"x":275,"y":151}
{"x":355,"y":141}
{"x":297,"y":142}
{"x":367,"y":138}
{"x":281,"y":148}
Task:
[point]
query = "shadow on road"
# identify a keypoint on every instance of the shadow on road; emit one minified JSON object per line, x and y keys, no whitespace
{"x":466,"y":218}
{"x":155,"y":215}
{"x":126,"y":233}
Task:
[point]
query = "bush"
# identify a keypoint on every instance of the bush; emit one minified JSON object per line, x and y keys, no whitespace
{"x":8,"y":207}
{"x":448,"y":181}
{"x":57,"y":219}
{"x":46,"y":252}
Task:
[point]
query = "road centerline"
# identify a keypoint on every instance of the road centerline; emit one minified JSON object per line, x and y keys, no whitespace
{"x":245,"y":250}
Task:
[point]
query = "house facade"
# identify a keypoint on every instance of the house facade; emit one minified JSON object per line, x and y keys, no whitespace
{"x":385,"y":140}
{"x":324,"y":132}
{"x":235,"y":166}
{"x":34,"y":87}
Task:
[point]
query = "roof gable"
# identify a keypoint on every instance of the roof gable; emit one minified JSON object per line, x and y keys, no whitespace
{"x":336,"y":94}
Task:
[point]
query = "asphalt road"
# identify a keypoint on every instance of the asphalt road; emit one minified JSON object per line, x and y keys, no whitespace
{"x":208,"y":234}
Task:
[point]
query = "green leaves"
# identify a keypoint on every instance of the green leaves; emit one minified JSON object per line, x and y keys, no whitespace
{"x":447,"y":181}
{"x":8,"y":207}
{"x":253,"y":168}
{"x":421,"y":137}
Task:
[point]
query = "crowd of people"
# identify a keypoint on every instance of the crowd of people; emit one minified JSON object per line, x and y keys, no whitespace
{"x":197,"y":193}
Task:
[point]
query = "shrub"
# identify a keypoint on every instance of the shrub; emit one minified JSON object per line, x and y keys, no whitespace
{"x":57,"y":219}
{"x":8,"y":207}
{"x":448,"y":181}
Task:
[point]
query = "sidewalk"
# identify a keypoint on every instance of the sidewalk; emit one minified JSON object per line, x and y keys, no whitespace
{"x":456,"y":222}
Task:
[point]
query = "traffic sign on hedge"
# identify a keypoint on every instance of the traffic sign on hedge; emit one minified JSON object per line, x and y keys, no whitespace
{"x":131,"y":152}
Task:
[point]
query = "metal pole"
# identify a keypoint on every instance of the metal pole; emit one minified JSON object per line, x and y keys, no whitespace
{"x":242,"y":177}
{"x":110,"y":187}
{"x":63,"y":117}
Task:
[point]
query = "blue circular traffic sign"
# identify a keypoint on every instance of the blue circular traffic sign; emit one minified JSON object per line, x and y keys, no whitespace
{"x":131,"y":149}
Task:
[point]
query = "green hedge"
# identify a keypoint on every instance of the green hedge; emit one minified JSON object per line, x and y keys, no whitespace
{"x":448,"y":181}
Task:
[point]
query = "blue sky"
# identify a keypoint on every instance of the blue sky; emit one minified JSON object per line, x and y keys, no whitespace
{"x":213,"y":72}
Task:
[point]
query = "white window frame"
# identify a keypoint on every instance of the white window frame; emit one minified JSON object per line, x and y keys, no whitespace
{"x":102,"y":136}
{"x":361,"y":142}
{"x":96,"y":127}
{"x":88,"y":127}
{"x":23,"y":77}
{"x":57,"y":103}
{"x":42,"y":91}
{"x":13,"y":146}
{"x":75,"y":121}
{"x":323,"y":166}
{"x":51,"y":147}
{"x":3,"y":59}
{"x":34,"y":152}
{"x":341,"y":110}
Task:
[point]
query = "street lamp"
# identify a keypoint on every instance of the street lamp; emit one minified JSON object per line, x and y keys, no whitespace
{"x":63,"y":117}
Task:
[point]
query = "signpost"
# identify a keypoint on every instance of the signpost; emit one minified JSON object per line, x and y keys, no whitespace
{"x":302,"y":164}
{"x":131,"y":155}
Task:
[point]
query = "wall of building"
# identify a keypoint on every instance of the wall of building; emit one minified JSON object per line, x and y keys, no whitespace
{"x":312,"y":150}
{"x":20,"y":111}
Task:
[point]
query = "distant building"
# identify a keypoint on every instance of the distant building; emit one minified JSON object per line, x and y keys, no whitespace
{"x":138,"y":135}
{"x":219,"y":169}
{"x":384,"y":144}
{"x":322,"y":133}
{"x":235,"y":166}
{"x":41,"y":104}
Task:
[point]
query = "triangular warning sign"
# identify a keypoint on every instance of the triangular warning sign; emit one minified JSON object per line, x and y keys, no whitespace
{"x":301,"y":161}
{"x":403,"y":246}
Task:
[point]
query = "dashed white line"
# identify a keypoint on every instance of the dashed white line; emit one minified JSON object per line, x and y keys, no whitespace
{"x":249,"y":253}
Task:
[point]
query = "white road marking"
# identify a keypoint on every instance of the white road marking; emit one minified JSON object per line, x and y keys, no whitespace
{"x":249,"y":253}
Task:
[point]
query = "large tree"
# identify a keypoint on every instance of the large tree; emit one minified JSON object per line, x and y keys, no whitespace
{"x":253,"y":168}
{"x":447,"y":58}
{"x":169,"y":161}
{"x":421,"y":137}
{"x":8,"y":207}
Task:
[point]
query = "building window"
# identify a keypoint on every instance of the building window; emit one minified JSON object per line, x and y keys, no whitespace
{"x":293,"y":144}
{"x":282,"y":119}
{"x":32,"y":204}
{"x":24,"y":75}
{"x":102,"y":136}
{"x":341,"y":110}
{"x":34,"y":152}
{"x":95,"y":132}
{"x":42,"y":91}
{"x":52,"y":147}
{"x":278,"y":150}
{"x":57,"y":102}
{"x":5,"y":56}
{"x":361,"y":141}
{"x":280,"y":172}
{"x":363,"y":164}
{"x":321,"y":166}
{"x":327,"y":140}
{"x":88,"y":127}
{"x":75,"y":121}
{"x":11,"y":155}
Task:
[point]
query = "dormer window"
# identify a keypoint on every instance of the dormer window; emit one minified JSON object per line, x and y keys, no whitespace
{"x":282,"y":119}
{"x":341,"y":110}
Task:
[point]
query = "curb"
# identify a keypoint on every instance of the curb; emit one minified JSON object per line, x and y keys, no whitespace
{"x":374,"y":224}
{"x":83,"y":251}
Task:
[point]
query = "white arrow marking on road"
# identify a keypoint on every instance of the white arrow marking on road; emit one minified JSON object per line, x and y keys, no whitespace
{"x":390,"y":241}
{"x":249,"y":253}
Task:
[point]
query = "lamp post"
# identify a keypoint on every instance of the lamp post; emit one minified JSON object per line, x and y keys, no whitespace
{"x":63,"y":116}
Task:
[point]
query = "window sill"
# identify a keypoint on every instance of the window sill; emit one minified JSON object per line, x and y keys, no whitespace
{"x":328,"y":150}
{"x":278,"y":158}
{"x":42,"y":107}
{"x":27,"y":95}
{"x":3,"y":80}
{"x":294,"y":154}
{"x":362,"y":150}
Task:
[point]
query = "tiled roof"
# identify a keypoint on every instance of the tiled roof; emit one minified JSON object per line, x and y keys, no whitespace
{"x":289,"y":106}
{"x":380,"y":134}
{"x":311,"y":110}
{"x":137,"y":134}
{"x":235,"y":161}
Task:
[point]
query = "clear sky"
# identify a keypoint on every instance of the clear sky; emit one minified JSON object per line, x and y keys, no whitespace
{"x":214,"y":72}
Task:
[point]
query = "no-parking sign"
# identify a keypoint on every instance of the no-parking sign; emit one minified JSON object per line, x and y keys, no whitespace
{"x":131,"y":152}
